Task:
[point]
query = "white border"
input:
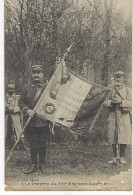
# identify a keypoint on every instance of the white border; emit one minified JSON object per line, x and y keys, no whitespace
{"x":2,"y":123}
{"x":1,"y":96}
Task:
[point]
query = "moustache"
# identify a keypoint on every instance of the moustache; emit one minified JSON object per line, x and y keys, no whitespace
{"x":118,"y":83}
{"x":36,"y":77}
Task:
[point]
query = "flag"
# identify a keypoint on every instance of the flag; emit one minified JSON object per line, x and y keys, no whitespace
{"x":90,"y":108}
{"x":71,"y":100}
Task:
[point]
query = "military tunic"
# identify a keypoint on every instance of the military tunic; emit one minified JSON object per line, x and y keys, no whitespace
{"x":37,"y":129}
{"x":27,"y":101}
{"x":12,"y":117}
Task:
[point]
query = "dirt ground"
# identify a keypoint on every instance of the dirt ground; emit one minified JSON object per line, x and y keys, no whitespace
{"x":70,"y":163}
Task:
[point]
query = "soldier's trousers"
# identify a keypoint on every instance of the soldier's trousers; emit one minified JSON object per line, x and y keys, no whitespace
{"x":37,"y":137}
{"x":122,"y":150}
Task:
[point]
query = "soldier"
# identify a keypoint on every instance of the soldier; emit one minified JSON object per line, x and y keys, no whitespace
{"x":38,"y":128}
{"x":119,"y":120}
{"x":13,"y":124}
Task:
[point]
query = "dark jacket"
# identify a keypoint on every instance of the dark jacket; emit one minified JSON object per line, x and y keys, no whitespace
{"x":27,"y":101}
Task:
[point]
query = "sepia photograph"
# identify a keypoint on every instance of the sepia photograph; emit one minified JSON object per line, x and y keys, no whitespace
{"x":68,"y":95}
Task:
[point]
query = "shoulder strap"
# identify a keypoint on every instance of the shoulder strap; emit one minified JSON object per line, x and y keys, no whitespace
{"x":127,"y":92}
{"x":118,"y":93}
{"x":38,"y":94}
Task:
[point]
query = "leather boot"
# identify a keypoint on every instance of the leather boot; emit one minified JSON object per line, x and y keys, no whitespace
{"x":30,"y":169}
{"x":42,"y":168}
{"x":122,"y":160}
{"x":113,"y":160}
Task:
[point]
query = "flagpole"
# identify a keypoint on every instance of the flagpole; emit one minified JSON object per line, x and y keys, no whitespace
{"x":67,"y":51}
{"x":8,"y":158}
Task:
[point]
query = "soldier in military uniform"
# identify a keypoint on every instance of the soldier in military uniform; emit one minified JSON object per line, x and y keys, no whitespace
{"x":37,"y":129}
{"x":119,"y":117}
{"x":13,"y":127}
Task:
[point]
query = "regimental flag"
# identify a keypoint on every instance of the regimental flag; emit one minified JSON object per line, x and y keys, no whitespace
{"x":90,"y":108}
{"x":70,"y":100}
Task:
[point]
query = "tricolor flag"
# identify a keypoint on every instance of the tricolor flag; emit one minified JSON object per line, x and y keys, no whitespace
{"x":71,"y":100}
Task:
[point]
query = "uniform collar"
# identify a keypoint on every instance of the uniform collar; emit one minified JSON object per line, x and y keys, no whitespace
{"x":13,"y":95}
{"x":37,"y":85}
{"x":119,"y":88}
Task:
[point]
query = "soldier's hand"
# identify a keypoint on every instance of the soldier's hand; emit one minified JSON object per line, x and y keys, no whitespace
{"x":30,"y":113}
{"x":116,"y":100}
{"x":107,"y":103}
{"x":16,"y":109}
{"x":9,"y":108}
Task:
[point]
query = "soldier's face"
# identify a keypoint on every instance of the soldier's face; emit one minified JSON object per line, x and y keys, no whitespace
{"x":10,"y":92}
{"x":119,"y":80}
{"x":37,"y":75}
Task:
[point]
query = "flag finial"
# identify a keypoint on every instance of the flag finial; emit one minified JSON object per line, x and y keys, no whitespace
{"x":68,"y":50}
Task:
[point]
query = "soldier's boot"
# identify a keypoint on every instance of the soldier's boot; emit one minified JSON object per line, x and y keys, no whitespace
{"x":122,"y":160}
{"x":42,"y":168}
{"x":113,"y":160}
{"x":30,"y":169}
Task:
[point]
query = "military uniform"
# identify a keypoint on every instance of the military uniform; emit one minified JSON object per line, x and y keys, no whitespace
{"x":38,"y":128}
{"x":13,"y":127}
{"x":123,"y":119}
{"x":119,"y":117}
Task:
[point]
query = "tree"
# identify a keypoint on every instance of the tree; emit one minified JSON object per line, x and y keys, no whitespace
{"x":39,"y":31}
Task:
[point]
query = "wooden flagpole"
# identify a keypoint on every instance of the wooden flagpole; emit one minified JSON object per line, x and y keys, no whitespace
{"x":8,"y":158}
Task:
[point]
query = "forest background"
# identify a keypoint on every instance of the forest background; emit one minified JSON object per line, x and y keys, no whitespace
{"x":40,"y":31}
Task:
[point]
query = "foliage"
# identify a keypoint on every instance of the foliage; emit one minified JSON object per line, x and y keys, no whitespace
{"x":39,"y":31}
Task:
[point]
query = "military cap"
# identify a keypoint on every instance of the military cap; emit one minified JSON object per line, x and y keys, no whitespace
{"x":36,"y":67}
{"x":120,"y":73}
{"x":11,"y":87}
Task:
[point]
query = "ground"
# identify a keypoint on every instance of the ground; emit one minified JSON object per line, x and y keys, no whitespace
{"x":70,"y":163}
